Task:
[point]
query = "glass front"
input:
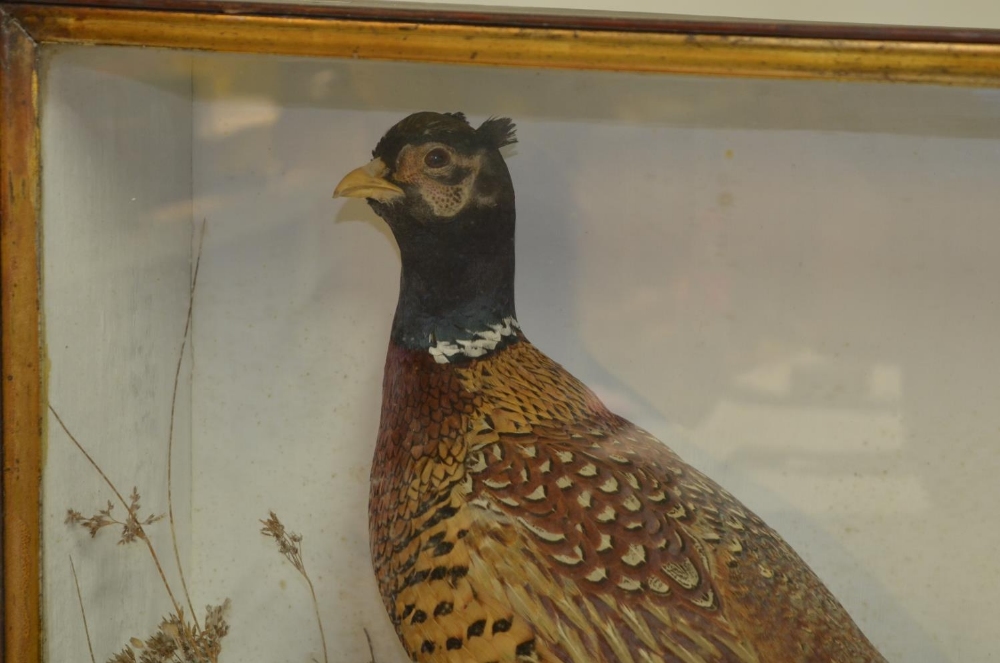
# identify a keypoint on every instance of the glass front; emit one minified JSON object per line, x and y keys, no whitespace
{"x":793,"y":284}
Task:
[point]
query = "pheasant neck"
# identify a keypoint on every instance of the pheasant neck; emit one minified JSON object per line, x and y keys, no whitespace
{"x":456,"y":291}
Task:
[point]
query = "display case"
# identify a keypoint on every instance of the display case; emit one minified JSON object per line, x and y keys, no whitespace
{"x":773,"y":245}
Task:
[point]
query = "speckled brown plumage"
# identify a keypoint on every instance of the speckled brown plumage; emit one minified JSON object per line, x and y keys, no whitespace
{"x":512,"y":516}
{"x":515,"y":518}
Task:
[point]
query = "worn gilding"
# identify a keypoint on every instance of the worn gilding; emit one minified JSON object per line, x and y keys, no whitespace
{"x":716,"y":55}
{"x":21,"y":349}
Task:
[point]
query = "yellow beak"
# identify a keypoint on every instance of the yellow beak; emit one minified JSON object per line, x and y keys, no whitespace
{"x":368,"y":182}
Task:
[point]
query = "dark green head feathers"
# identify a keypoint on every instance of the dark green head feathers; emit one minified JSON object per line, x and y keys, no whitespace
{"x":444,"y":190}
{"x":450,"y":128}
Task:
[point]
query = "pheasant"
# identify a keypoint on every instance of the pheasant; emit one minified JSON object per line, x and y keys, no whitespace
{"x":512,"y":516}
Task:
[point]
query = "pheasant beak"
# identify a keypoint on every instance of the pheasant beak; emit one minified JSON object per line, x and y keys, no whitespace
{"x":368,"y":182}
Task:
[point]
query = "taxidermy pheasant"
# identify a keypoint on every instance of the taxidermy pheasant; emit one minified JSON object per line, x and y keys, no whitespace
{"x":512,"y":516}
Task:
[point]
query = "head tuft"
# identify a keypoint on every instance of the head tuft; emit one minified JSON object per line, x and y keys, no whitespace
{"x":497,"y":132}
{"x":450,"y":128}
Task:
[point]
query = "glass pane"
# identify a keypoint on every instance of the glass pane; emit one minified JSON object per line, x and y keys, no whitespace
{"x":793,"y":284}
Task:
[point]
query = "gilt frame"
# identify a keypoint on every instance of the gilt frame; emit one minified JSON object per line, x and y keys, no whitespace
{"x":596,"y":41}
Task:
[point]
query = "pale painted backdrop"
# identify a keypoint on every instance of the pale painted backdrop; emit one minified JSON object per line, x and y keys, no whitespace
{"x":794,"y":283}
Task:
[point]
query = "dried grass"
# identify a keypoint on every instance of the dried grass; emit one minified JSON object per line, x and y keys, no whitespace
{"x":290,"y":547}
{"x":179,"y":638}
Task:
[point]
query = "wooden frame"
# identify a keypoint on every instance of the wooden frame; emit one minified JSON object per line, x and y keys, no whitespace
{"x":781,"y":50}
{"x":22,"y":354}
{"x":704,"y":48}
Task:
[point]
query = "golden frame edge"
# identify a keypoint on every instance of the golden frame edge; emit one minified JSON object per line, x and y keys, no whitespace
{"x":21,"y":359}
{"x":25,"y":28}
{"x":946,"y":63}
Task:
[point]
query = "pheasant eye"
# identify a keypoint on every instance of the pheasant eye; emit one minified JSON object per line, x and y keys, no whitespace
{"x":437,"y":158}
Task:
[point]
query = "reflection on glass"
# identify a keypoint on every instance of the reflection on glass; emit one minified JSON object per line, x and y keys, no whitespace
{"x":791,"y":283}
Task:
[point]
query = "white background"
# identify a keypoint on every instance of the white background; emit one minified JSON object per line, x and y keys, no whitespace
{"x":793,"y":283}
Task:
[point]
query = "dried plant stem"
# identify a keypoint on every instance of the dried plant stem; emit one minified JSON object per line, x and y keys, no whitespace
{"x":83,"y":612}
{"x":322,"y":635}
{"x":141,"y":533}
{"x":290,"y":547}
{"x":170,"y":434}
{"x":371,"y":650}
